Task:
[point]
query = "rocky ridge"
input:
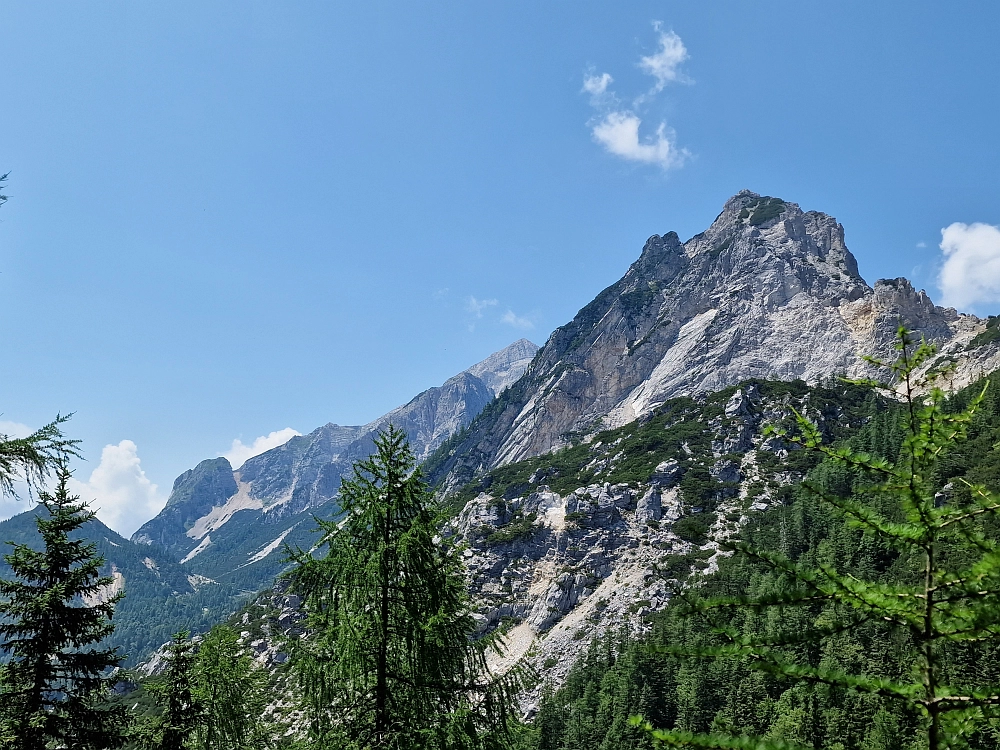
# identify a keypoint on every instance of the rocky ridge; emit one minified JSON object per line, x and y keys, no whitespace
{"x":232,"y":525}
{"x":634,"y":442}
{"x":767,"y":291}
{"x":649,"y":504}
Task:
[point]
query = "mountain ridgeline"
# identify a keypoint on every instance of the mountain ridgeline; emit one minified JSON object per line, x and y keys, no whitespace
{"x":232,"y":525}
{"x":768,"y":291}
{"x":587,"y":475}
{"x":636,"y":439}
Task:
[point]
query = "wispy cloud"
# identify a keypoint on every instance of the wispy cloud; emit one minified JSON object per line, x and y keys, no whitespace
{"x":516,"y":321}
{"x":618,"y":129}
{"x":970,"y":274}
{"x":596,"y":85}
{"x":238,"y":453}
{"x":618,"y":132}
{"x":664,"y":65}
{"x":921,"y":244}
{"x":476,"y":306}
{"x":119,"y":490}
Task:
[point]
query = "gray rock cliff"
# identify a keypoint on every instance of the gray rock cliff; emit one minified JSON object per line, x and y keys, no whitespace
{"x":767,"y":291}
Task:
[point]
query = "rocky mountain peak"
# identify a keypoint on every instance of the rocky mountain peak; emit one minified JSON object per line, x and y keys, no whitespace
{"x":222,"y":522}
{"x":501,"y":369}
{"x":768,"y":291}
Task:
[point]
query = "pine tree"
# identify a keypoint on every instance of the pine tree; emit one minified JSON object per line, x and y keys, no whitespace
{"x":54,"y":686}
{"x":389,"y":660}
{"x":937,"y":622}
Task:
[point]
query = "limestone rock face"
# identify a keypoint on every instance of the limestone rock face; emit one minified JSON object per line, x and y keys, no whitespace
{"x":220,"y":521}
{"x":768,"y":291}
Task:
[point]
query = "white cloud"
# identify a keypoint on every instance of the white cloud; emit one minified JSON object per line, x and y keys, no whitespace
{"x":618,"y":132}
{"x":617,"y":128}
{"x":597,"y":85}
{"x":663,"y":64}
{"x":476,"y":306}
{"x":516,"y":320}
{"x":970,"y":274}
{"x":921,"y":244}
{"x":119,"y":490}
{"x":239,"y":453}
{"x":14,"y":429}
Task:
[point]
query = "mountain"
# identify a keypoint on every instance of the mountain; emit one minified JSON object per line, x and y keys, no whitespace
{"x":768,"y":291}
{"x":232,"y":525}
{"x":161,"y":596}
{"x":635,"y":439}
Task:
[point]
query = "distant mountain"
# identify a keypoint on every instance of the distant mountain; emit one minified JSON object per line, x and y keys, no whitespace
{"x":232,"y":525}
{"x":768,"y":291}
{"x":161,"y":595}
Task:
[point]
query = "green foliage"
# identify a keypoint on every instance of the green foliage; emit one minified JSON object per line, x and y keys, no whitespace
{"x":726,"y":695}
{"x":181,"y":715}
{"x":54,"y":688}
{"x":232,"y":692}
{"x":638,"y":300}
{"x":389,"y":659}
{"x":159,"y":596}
{"x":34,"y":457}
{"x":936,"y":621}
{"x":210,"y":697}
{"x":767,"y":208}
{"x":519,"y":527}
{"x":991,"y":334}
{"x":694,"y":528}
{"x":681,"y":430}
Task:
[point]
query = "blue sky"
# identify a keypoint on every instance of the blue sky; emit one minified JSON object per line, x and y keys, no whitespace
{"x":230,"y":219}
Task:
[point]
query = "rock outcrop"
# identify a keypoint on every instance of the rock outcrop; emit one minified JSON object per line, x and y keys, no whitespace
{"x":768,"y":291}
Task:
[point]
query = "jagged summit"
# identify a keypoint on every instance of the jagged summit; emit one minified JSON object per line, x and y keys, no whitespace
{"x":223,"y":522}
{"x":767,"y":291}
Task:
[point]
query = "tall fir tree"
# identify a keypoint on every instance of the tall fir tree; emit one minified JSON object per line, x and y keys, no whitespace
{"x":55,"y":611}
{"x":182,"y":715}
{"x":937,"y":623}
{"x":390,"y":660}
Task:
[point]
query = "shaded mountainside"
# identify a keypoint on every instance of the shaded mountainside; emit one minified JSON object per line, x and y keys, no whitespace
{"x":161,"y":595}
{"x":768,"y":291}
{"x":233,"y":525}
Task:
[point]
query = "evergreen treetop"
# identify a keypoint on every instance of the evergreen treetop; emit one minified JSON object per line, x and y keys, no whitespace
{"x":389,"y":659}
{"x":54,"y":612}
{"x":34,"y":457}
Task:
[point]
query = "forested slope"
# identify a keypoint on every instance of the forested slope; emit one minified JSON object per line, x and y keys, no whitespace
{"x":619,"y":675}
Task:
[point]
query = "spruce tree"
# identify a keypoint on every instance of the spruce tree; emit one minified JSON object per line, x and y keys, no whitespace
{"x":55,"y":611}
{"x":389,"y":659}
{"x":182,"y":715}
{"x":937,"y":622}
